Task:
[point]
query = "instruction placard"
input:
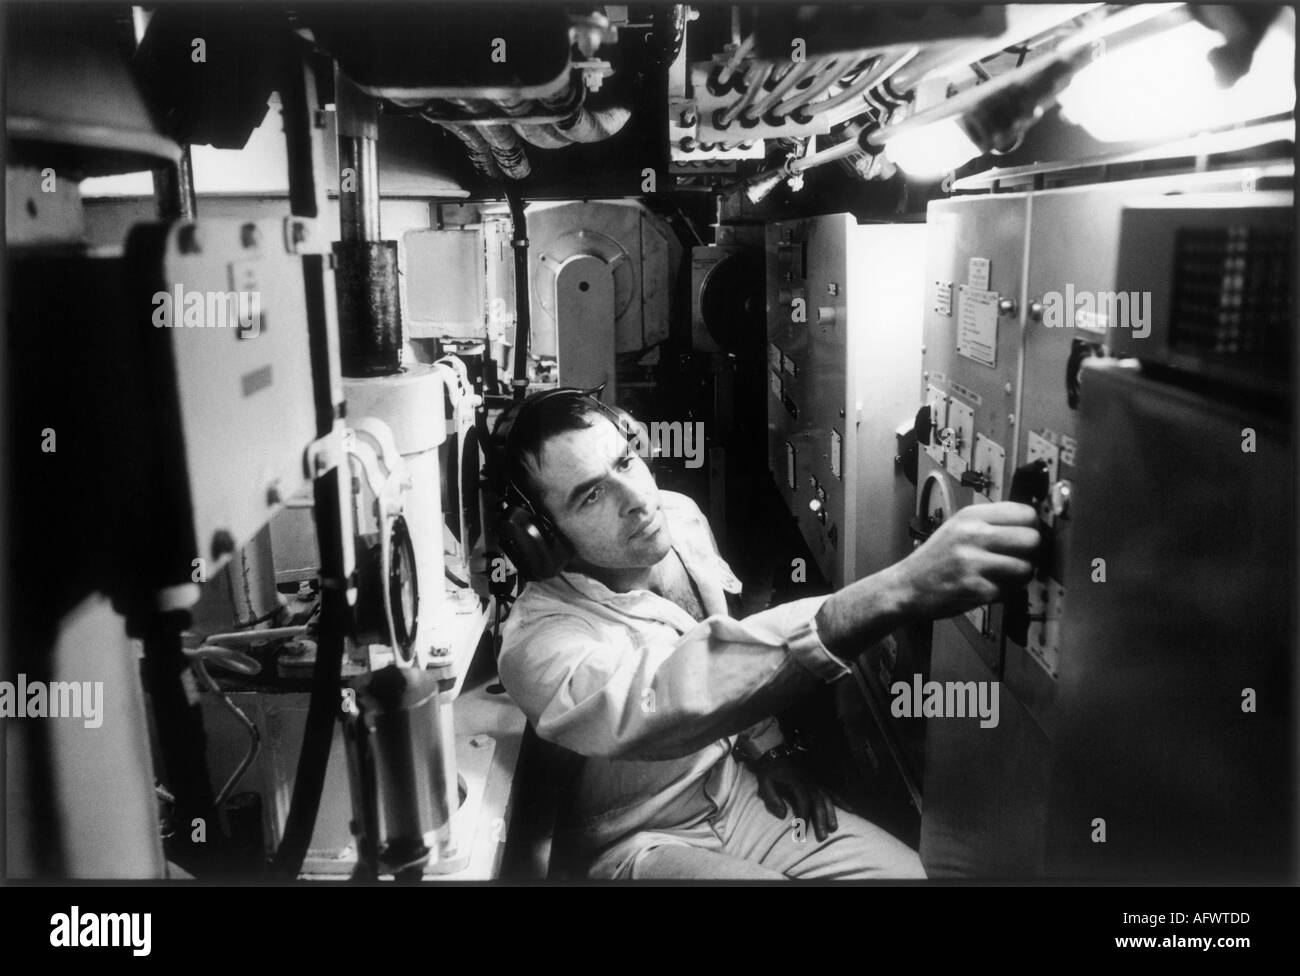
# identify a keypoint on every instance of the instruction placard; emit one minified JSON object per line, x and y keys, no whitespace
{"x":943,"y":298}
{"x":977,"y":325}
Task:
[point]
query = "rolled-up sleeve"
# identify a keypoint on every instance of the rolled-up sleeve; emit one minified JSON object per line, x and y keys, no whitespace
{"x":617,"y":692}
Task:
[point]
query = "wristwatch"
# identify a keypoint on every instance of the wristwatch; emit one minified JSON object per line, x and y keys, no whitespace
{"x":784,"y":751}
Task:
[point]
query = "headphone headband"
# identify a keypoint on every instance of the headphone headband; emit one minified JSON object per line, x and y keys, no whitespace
{"x":529,"y":404}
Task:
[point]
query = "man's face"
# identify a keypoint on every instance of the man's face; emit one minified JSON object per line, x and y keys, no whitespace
{"x":601,"y":496}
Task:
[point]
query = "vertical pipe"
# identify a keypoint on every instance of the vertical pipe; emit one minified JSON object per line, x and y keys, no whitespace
{"x":523,"y":319}
{"x":173,"y":186}
{"x":370,"y":318}
{"x":358,"y":207}
{"x":370,"y":315}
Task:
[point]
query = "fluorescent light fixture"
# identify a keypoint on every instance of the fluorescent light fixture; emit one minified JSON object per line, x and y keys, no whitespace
{"x":1165,"y":86}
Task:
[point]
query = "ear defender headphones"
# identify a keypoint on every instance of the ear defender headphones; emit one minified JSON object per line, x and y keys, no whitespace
{"x":524,"y":531}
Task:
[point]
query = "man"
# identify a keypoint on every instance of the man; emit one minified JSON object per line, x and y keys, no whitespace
{"x":629,"y":658}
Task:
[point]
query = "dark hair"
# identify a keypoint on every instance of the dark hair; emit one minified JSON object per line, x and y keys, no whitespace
{"x":536,"y":424}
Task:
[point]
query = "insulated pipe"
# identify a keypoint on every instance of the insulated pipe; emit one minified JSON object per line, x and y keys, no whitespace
{"x":589,"y":126}
{"x":507,"y":150}
{"x":501,"y":140}
{"x":480,"y":153}
{"x":370,"y":314}
{"x":542,"y":136}
{"x":581,"y":125}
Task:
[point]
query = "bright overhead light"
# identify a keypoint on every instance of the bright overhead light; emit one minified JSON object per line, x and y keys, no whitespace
{"x":1165,"y":86}
{"x":987,"y":118}
{"x":932,"y":150}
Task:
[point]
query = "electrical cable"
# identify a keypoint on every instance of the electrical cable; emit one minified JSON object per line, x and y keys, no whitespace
{"x":318,"y":736}
{"x":254,"y":736}
{"x":755,"y":77}
{"x":829,"y":75}
{"x":881,"y":73}
{"x":246,"y":624}
{"x":855,"y":88}
{"x":792,"y":76}
{"x":737,"y":56}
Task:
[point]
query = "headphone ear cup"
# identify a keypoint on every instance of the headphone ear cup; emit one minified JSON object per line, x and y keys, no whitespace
{"x":536,"y":548}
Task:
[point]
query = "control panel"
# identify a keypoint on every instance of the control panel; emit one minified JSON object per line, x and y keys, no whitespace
{"x":1082,"y":305}
{"x":970,"y":367}
{"x":1022,"y":291}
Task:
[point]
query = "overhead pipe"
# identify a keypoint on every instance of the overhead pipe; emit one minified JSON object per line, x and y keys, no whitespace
{"x":1052,"y":73}
{"x":496,"y":149}
{"x":589,"y":126}
{"x":1031,"y":21}
{"x":480,"y":153}
{"x":1003,"y":97}
{"x":507,"y":150}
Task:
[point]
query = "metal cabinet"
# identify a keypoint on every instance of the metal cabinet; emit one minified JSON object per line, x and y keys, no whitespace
{"x":843,"y":342}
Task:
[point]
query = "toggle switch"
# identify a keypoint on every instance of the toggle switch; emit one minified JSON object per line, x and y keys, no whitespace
{"x":923,"y":426}
{"x":1059,"y":498}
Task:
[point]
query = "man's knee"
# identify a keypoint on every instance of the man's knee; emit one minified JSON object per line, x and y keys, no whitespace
{"x":680,"y":861}
{"x":859,"y":850}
